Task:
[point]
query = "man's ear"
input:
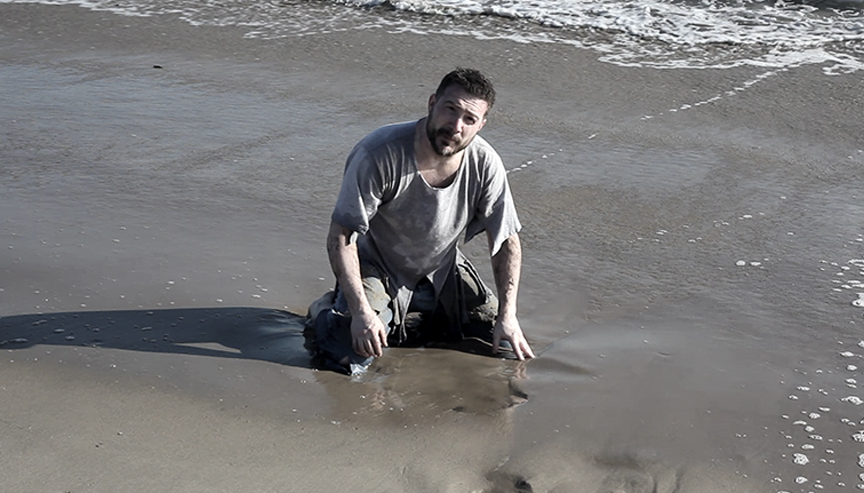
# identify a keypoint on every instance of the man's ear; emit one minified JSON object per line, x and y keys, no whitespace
{"x":431,"y":102}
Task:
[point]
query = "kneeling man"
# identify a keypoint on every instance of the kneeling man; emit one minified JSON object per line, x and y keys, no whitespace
{"x":410,"y":192}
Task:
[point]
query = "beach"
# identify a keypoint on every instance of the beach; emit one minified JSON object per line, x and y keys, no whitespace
{"x":692,"y":268}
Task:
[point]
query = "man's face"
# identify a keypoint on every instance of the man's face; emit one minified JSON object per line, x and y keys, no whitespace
{"x":454,"y":119}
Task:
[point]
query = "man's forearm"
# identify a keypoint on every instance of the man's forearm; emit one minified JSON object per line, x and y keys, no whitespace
{"x":507,"y":268}
{"x":346,"y":267}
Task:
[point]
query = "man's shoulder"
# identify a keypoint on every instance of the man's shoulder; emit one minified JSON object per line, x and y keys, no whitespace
{"x":481,"y":144}
{"x":481,"y":153}
{"x":393,"y":134}
{"x":387,"y":147}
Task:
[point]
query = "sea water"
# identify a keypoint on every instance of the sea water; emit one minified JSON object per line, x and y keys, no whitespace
{"x":654,"y":33}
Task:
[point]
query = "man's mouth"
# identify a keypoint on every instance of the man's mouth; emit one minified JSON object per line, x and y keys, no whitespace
{"x":446,"y":136}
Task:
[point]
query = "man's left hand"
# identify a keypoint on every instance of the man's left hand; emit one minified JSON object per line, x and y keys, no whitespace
{"x":508,"y":329}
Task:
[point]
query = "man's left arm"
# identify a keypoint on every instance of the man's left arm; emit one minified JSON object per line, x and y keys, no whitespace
{"x":507,"y":267}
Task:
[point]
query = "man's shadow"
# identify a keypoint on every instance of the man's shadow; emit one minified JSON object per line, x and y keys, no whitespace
{"x":279,"y":337}
{"x":234,"y":332}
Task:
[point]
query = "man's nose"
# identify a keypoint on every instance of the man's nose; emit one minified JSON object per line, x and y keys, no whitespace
{"x":458,"y":124}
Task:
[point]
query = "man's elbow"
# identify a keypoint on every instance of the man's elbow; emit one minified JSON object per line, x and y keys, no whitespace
{"x":335,"y":237}
{"x":509,"y":247}
{"x":339,"y":237}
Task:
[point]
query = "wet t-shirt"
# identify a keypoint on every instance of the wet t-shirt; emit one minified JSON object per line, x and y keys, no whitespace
{"x":410,"y":229}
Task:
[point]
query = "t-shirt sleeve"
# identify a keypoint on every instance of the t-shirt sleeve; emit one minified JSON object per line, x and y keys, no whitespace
{"x":496,"y":212}
{"x":361,"y":192}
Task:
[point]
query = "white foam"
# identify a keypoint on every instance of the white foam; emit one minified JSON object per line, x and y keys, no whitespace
{"x":650,"y":33}
{"x":852,"y":399}
{"x":800,"y":459}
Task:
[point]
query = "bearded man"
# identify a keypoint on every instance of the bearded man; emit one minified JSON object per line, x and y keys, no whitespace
{"x":410,"y":192}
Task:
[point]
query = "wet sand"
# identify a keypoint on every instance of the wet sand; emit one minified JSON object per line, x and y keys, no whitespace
{"x":690,"y":243}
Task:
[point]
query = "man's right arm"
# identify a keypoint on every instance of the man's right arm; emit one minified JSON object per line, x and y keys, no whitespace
{"x":368,"y":333}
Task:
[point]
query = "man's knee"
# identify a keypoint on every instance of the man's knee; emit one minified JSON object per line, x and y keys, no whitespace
{"x":481,"y":304}
{"x":334,"y":344}
{"x":378,"y":298}
{"x":331,"y":319}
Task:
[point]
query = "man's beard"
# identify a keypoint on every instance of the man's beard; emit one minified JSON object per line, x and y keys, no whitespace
{"x":433,"y":134}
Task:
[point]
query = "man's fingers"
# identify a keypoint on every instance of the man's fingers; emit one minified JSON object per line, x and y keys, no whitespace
{"x":375,"y":345}
{"x":379,"y":340}
{"x":368,"y":340}
{"x":382,"y":337}
{"x":517,"y":349}
{"x":524,"y":349}
{"x":358,"y":346}
{"x":496,"y":342}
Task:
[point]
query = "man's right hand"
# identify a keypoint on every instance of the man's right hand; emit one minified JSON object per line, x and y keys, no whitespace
{"x":368,"y":335}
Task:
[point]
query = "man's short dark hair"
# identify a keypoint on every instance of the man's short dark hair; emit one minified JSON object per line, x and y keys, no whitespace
{"x":474,"y":83}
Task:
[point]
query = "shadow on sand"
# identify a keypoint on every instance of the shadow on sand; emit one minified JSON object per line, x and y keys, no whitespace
{"x":439,"y":379}
{"x":234,"y":332}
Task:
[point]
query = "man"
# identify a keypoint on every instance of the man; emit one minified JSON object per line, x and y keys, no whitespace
{"x":409,"y":193}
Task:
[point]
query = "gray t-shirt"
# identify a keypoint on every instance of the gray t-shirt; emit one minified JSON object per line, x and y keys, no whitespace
{"x":410,"y":229}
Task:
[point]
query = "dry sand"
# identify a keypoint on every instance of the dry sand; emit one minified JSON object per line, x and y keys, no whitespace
{"x":162,"y":232}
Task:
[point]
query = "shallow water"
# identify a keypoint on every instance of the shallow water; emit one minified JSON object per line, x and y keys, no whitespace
{"x":660,"y":33}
